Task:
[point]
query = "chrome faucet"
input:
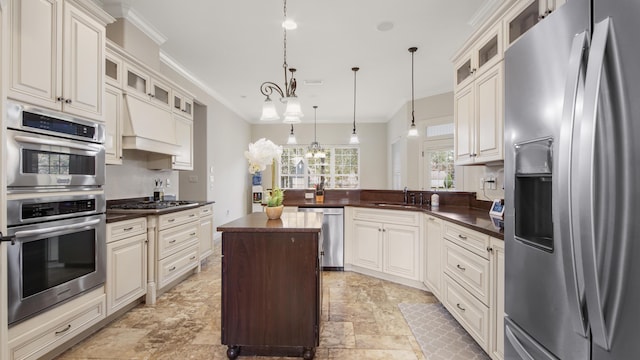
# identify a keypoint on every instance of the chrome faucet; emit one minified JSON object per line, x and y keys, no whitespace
{"x":406,"y":195}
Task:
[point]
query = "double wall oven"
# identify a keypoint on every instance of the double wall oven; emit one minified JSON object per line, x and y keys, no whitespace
{"x":55,"y":208}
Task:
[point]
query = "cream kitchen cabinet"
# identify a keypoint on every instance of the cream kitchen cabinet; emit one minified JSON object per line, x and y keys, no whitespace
{"x":34,"y":338}
{"x":496,"y":347}
{"x":57,"y":54}
{"x":479,"y":119}
{"x":206,"y":231}
{"x":113,"y":65}
{"x":113,"y":123}
{"x":485,"y":53}
{"x":524,"y":15}
{"x":126,"y":263}
{"x":388,"y":241}
{"x":146,"y":86}
{"x":433,"y":256}
{"x":182,"y":104}
{"x":183,"y":128}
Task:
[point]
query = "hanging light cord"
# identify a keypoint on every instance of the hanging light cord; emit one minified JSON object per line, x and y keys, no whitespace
{"x":315,"y":111}
{"x":355,"y":70}
{"x":413,"y":120}
{"x":285,"y":65}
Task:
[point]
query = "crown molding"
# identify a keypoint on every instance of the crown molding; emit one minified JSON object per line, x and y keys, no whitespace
{"x":123,"y":9}
{"x":180,"y":69}
{"x":489,"y":7}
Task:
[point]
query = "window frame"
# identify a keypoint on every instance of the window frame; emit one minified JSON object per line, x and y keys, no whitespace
{"x":332,"y":175}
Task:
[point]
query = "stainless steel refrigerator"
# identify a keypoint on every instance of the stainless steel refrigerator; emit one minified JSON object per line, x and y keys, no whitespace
{"x":572,"y":174}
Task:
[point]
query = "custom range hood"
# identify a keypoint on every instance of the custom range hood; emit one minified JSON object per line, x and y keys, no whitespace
{"x":148,"y":127}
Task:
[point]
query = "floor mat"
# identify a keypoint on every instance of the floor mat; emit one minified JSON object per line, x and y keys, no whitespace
{"x":440,"y":336}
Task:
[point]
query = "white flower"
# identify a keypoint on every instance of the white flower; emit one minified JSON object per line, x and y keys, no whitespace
{"x":262,"y":153}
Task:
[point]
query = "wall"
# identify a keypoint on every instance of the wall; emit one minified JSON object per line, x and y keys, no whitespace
{"x":137,"y":43}
{"x":373,"y":163}
{"x":133,"y":179}
{"x":434,"y":107}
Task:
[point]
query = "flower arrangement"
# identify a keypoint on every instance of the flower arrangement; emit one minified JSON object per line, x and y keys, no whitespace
{"x":260,"y":154}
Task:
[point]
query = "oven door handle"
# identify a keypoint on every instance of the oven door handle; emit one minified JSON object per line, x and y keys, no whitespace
{"x":29,"y":233}
{"x":51,"y":142}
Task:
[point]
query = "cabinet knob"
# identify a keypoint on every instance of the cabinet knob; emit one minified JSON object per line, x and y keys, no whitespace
{"x":68,"y":101}
{"x":490,"y":249}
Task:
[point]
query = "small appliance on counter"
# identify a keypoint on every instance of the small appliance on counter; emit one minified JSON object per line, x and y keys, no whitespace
{"x":158,"y":191}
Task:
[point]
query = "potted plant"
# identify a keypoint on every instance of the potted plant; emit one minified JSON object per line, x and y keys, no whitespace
{"x":260,"y":154}
{"x":274,"y":204}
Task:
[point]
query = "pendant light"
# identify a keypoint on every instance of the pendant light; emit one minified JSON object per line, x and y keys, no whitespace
{"x":413,"y":130}
{"x":315,"y":150}
{"x":354,"y":136}
{"x":292,"y":138}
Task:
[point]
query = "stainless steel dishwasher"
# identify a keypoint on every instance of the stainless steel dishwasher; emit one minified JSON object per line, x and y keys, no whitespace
{"x":332,"y":237}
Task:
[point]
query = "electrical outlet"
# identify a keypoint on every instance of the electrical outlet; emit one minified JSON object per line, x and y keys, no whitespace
{"x":308,"y":195}
{"x":481,"y":183}
{"x":168,"y":183}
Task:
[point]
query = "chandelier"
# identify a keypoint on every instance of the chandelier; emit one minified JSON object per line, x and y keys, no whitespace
{"x":293,"y":110}
{"x":315,"y":150}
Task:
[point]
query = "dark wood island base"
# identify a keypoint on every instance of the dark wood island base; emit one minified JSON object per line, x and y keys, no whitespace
{"x":271,"y":285}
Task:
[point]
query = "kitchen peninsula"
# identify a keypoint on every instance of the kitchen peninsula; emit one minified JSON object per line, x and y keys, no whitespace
{"x":271,"y":285}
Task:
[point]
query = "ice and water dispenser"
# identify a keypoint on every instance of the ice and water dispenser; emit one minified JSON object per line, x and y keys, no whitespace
{"x":533,"y":193}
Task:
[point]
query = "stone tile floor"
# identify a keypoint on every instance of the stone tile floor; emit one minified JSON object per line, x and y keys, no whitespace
{"x":361,"y":320}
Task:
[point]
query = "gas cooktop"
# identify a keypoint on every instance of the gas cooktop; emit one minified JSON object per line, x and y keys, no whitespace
{"x":151,"y":206}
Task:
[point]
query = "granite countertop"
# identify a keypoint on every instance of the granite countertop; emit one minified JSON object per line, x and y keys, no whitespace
{"x":471,"y":218}
{"x":120,"y":216}
{"x":288,"y":222}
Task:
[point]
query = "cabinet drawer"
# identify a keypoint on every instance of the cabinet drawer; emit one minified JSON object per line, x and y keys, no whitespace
{"x":177,"y":264}
{"x":206,"y":210}
{"x":470,"y":270}
{"x":388,"y":216}
{"x":471,"y":240}
{"x":173,"y":219}
{"x":469,"y":311}
{"x":123,"y":229}
{"x":177,"y":238}
{"x":44,"y":337}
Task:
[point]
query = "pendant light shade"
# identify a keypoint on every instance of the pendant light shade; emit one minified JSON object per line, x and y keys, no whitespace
{"x":291,"y":140}
{"x":413,"y":130}
{"x":269,"y":112}
{"x":354,"y":136}
{"x":315,"y":150}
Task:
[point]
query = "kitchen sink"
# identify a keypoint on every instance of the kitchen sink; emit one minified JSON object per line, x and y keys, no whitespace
{"x":406,"y":206}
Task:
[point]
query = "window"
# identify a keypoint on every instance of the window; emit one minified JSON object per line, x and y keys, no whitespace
{"x":439,"y":167}
{"x":339,"y":169}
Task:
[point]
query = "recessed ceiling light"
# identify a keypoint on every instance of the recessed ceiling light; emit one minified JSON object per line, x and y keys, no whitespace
{"x":385,"y":26}
{"x":313,"y":82}
{"x":289,"y":24}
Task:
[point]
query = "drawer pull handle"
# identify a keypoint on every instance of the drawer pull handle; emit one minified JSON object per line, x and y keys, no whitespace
{"x":63,"y":330}
{"x":462,"y":237}
{"x":128,"y":229}
{"x":192,"y":215}
{"x":172,"y":241}
{"x":192,"y":258}
{"x":460,"y":267}
{"x":171,"y":220}
{"x":173,"y":268}
{"x":460,"y":307}
{"x":432,"y":219}
{"x":192,"y":234}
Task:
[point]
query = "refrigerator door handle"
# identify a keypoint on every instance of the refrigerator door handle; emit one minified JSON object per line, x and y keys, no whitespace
{"x":567,"y":227}
{"x":526,"y":346}
{"x":604,"y":223}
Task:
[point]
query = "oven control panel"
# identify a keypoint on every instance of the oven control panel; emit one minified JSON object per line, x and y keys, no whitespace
{"x":34,"y":211}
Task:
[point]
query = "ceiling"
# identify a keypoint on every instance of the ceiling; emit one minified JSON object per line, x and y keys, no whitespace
{"x":234,"y":46}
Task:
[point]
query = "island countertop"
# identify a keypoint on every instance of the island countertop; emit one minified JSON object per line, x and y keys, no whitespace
{"x":288,"y":222}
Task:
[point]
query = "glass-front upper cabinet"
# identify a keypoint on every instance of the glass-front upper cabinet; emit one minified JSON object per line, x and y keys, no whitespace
{"x":182,"y":104}
{"x":113,"y":69}
{"x":160,"y":93}
{"x":486,"y":52}
{"x":525,"y":15}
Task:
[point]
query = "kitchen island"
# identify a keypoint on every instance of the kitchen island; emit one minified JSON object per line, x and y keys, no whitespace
{"x":271,"y":285}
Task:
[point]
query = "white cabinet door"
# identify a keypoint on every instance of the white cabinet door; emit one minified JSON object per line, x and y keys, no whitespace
{"x":433,"y":258}
{"x":206,"y":236}
{"x":184,"y":137}
{"x":497,"y":306}
{"x":113,"y":118}
{"x":464,"y":125}
{"x":126,"y":271}
{"x":402,"y":251}
{"x":35,"y":53}
{"x":489,"y":115}
{"x":182,"y":104}
{"x":367,"y":244}
{"x":83,"y":59}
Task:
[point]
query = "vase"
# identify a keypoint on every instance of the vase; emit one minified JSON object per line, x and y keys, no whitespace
{"x":274,"y":212}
